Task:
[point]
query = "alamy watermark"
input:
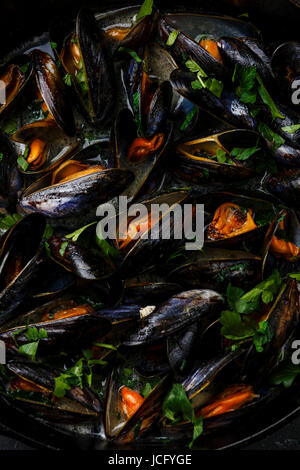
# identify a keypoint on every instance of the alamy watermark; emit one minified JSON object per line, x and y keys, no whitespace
{"x":2,"y":93}
{"x":154,"y":221}
{"x":296,"y":92}
{"x":2,"y":353}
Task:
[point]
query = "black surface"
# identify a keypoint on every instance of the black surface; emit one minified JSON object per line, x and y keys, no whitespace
{"x":286,"y":438}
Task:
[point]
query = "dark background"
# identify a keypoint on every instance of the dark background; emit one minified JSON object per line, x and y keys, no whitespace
{"x":279,"y":19}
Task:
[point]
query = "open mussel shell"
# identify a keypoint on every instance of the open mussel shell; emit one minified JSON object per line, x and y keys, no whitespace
{"x":228,"y":108}
{"x":124,"y":132}
{"x":121,"y":420}
{"x":15,"y":75}
{"x":206,"y":380}
{"x":283,"y":319}
{"x":97,"y":101}
{"x":78,"y":404}
{"x":185,"y":46}
{"x":20,"y":254}
{"x":11,"y":181}
{"x":237,"y":219}
{"x":217,"y":267}
{"x":145,"y":251}
{"x":175,"y":314}
{"x":75,"y":194}
{"x":80,"y":260}
{"x":53,"y":91}
{"x":197,"y":25}
{"x":195,"y":156}
{"x":58,"y":148}
{"x":136,"y":36}
{"x":63,"y":319}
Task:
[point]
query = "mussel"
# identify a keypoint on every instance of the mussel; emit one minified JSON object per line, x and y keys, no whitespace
{"x":177,"y":313}
{"x":32,"y":385}
{"x":20,"y":255}
{"x":76,"y":184}
{"x":63,"y":320}
{"x":85,"y":58}
{"x":216,"y":156}
{"x":53,"y":92}
{"x":14,"y":76}
{"x":46,"y":146}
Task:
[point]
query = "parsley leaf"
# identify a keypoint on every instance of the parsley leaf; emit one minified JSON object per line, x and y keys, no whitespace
{"x":68,"y":79}
{"x":172,"y":38}
{"x":177,"y":407}
{"x":188,"y":119}
{"x":76,"y":234}
{"x":267,"y":99}
{"x":63,"y":248}
{"x":145,"y":10}
{"x":243,"y":153}
{"x":270,"y":135}
{"x":285,"y":374}
{"x":262,"y":335}
{"x":291,"y":129}
{"x":23,"y":163}
{"x":132,"y":53}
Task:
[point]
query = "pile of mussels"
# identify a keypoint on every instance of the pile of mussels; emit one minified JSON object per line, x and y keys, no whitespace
{"x":138,"y":337}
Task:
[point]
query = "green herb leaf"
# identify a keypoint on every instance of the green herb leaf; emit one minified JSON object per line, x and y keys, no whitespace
{"x":295,"y":276}
{"x":48,"y":232}
{"x":107,"y":249}
{"x":63,"y":248}
{"x":192,"y":66}
{"x":53,"y":45}
{"x":262,"y":335}
{"x":291,"y":129}
{"x":234,"y":328}
{"x":10,"y":126}
{"x":172,"y":38}
{"x":75,"y":235}
{"x":132,"y":53}
{"x":285,"y":374}
{"x":145,"y":10}
{"x":29,"y":349}
{"x":177,"y":407}
{"x":267,"y":99}
{"x":8,"y":221}
{"x":147,"y":389}
{"x":23,"y":163}
{"x":270,"y":135}
{"x":243,"y":153}
{"x":24,"y":67}
{"x":68,"y":79}
{"x":188,"y":119}
{"x":246,"y":78}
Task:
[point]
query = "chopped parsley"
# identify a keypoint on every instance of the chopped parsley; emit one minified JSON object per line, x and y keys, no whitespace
{"x":132,"y":53}
{"x":172,"y":38}
{"x":23,"y":163}
{"x":177,"y":407}
{"x":145,"y":10}
{"x":203,"y":81}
